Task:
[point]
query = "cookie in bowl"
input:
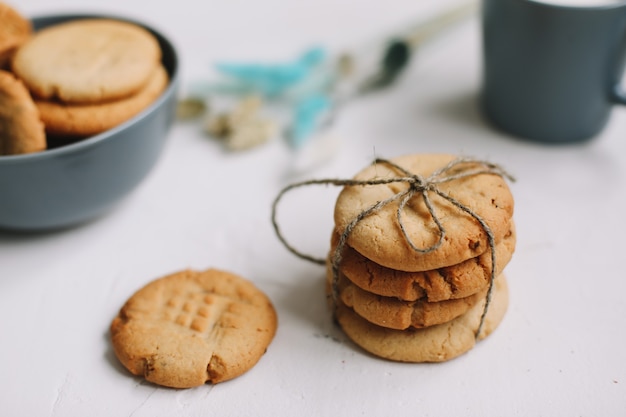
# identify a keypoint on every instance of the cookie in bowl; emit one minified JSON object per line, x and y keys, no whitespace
{"x":15,"y":29}
{"x":90,"y":75}
{"x":79,"y":179}
{"x":21,"y":129}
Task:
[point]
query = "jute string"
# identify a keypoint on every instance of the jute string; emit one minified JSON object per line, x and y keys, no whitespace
{"x":418,"y":186}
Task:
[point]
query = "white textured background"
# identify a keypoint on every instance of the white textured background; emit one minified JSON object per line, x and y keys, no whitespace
{"x":559,"y":351}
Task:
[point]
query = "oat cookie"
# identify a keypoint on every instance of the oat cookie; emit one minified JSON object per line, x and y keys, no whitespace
{"x":193,"y":327}
{"x":452,"y":282}
{"x":21,"y":129}
{"x":15,"y":29}
{"x":378,"y":237}
{"x":431,"y":344}
{"x":88,"y":60}
{"x":81,"y":120}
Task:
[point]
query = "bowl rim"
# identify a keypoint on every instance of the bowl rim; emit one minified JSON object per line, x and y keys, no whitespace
{"x":103,"y":136}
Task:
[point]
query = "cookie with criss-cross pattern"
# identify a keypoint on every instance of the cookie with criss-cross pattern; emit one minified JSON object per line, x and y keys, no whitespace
{"x":193,"y":327}
{"x":379,"y":236}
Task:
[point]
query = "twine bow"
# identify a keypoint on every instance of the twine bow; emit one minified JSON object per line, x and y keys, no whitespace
{"x":418,"y":186}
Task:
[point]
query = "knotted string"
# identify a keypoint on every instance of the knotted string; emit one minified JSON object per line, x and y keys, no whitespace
{"x":418,"y":186}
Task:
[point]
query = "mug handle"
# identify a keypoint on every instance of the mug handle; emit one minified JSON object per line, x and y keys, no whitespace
{"x":619,"y":95}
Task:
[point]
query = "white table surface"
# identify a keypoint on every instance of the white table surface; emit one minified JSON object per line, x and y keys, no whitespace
{"x":558,"y":352}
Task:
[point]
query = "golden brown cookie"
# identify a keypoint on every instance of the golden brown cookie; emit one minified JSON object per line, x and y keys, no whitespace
{"x":431,"y":344}
{"x":21,"y":129}
{"x":81,"y":120}
{"x":193,"y":327}
{"x":397,"y":314}
{"x":378,"y":236}
{"x":15,"y":30}
{"x":87,"y":60}
{"x":452,"y":282}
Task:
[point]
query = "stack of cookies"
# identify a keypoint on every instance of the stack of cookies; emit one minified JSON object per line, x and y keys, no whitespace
{"x":410,"y":265}
{"x":82,"y":77}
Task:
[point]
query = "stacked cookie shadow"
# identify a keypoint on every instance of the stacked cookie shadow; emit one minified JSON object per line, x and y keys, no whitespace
{"x":72,"y":80}
{"x":407,"y":303}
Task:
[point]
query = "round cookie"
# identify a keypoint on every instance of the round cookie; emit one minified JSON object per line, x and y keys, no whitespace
{"x":193,"y":327}
{"x":87,"y":60}
{"x":393,"y":313}
{"x":15,"y":29}
{"x":81,"y":120}
{"x":452,"y":282}
{"x":21,"y":129}
{"x":378,"y":236}
{"x":431,"y":344}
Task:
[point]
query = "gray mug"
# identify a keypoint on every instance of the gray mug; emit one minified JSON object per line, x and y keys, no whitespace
{"x":552,"y":73}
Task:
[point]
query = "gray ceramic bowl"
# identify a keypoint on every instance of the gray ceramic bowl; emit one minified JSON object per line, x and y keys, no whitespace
{"x":74,"y":183}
